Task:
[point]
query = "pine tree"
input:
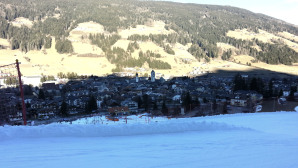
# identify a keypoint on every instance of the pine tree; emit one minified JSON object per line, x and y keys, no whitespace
{"x":146,"y":101}
{"x":164,"y":109}
{"x":214,"y":106}
{"x":270,"y":91}
{"x":254,"y":84}
{"x":187,"y":102}
{"x":155,"y":106}
{"x":291,"y":96}
{"x":239,"y":83}
{"x":41,"y":94}
{"x":280,"y":93}
{"x":91,"y":105}
{"x":64,"y":109}
{"x":140,"y":102}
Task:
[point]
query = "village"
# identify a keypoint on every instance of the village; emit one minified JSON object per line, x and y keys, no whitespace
{"x":116,"y":96}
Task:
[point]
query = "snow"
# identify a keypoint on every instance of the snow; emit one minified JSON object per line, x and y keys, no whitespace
{"x":238,"y":140}
{"x":133,"y":119}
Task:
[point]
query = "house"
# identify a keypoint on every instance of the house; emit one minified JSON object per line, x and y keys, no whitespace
{"x":9,"y":109}
{"x":72,"y":101}
{"x":31,"y":80}
{"x":78,"y":93}
{"x":118,"y":111}
{"x":286,"y":93}
{"x":177,"y":98}
{"x":36,"y":104}
{"x":17,"y":118}
{"x":99,"y":102}
{"x":239,"y":100}
{"x":44,"y":114}
{"x":132,"y":105}
{"x":28,"y":101}
{"x":50,"y":87}
{"x":177,"y":89}
{"x":101,"y":87}
{"x":162,"y":80}
{"x":200,"y":88}
{"x":256,"y":97}
{"x":47,"y":110}
{"x":81,"y":102}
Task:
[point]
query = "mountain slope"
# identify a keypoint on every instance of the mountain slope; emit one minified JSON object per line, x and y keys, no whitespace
{"x":174,"y":35}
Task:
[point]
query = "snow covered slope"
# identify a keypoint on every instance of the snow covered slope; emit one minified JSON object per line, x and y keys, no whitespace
{"x":239,"y":140}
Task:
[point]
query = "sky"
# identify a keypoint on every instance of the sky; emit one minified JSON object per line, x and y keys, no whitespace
{"x":286,"y":10}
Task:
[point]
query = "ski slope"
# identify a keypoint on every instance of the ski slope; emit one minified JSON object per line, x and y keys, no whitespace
{"x":238,"y":140}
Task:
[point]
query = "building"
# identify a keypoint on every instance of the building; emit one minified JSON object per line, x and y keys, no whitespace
{"x":50,"y":87}
{"x":132,"y":105}
{"x":152,"y":76}
{"x":137,"y":77}
{"x":31,"y":80}
{"x":239,"y":101}
{"x":118,"y":111}
{"x":10,"y":109}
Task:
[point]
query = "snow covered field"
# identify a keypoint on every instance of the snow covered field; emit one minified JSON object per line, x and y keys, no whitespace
{"x":238,"y":140}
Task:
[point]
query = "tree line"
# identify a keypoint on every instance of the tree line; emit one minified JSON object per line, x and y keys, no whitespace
{"x":265,"y":88}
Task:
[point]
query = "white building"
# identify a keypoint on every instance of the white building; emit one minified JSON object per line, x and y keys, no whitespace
{"x":137,"y":77}
{"x":152,"y":76}
{"x":33,"y":80}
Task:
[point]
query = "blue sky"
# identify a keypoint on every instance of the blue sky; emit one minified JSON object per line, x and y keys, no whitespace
{"x":286,"y":10}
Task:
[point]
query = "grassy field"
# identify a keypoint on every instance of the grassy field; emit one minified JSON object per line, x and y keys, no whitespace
{"x":266,"y":37}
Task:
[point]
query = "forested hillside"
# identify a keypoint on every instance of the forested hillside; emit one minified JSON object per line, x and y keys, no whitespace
{"x":201,"y":25}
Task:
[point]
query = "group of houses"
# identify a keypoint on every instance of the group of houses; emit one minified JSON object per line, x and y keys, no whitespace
{"x":114,"y":95}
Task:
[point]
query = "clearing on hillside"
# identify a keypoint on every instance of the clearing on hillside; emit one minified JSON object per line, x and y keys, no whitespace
{"x":21,"y":21}
{"x":154,"y":27}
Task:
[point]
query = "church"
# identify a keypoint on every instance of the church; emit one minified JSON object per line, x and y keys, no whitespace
{"x":152,"y":77}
